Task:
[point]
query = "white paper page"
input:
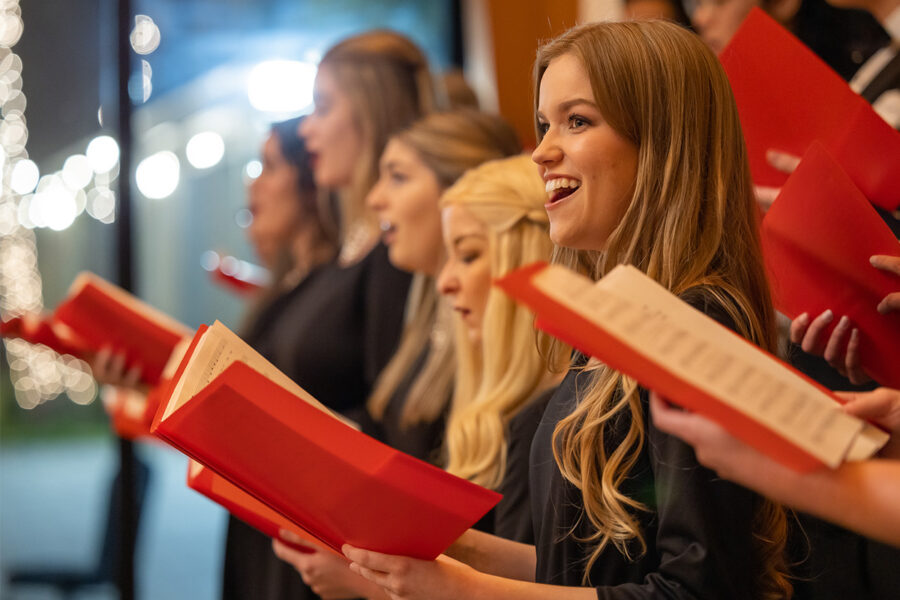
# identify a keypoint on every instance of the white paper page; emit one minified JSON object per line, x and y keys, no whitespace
{"x":216,"y":350}
{"x":648,"y":318}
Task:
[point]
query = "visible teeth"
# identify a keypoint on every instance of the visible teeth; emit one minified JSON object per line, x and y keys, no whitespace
{"x":561,"y":182}
{"x":385,"y":226}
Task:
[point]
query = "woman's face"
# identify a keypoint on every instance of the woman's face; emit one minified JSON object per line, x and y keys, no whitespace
{"x":588,"y":168}
{"x":718,"y":20}
{"x":332,"y":134}
{"x":274,"y":201}
{"x":466,"y":276}
{"x":405,"y":198}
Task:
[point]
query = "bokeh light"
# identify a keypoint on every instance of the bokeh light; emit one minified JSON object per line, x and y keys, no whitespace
{"x":145,"y":36}
{"x":205,"y":150}
{"x":25,"y":176}
{"x":243,"y":218}
{"x":281,"y":86}
{"x":157,"y":175}
{"x":77,"y":172}
{"x":103,"y":153}
{"x":253,"y":169}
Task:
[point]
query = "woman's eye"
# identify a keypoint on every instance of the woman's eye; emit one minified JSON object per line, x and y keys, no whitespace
{"x":542,"y":128}
{"x":469,"y":257}
{"x":398,"y":178}
{"x":576,"y":122}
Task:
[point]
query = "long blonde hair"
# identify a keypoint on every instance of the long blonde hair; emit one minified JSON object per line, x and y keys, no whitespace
{"x":449,"y":144}
{"x":498,"y":380}
{"x":691,"y":225}
{"x":388,"y":83}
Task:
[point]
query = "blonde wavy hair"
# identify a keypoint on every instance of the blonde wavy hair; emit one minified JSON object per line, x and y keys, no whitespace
{"x":497,"y":380}
{"x":449,"y":144}
{"x":691,"y":225}
{"x":388,"y":82}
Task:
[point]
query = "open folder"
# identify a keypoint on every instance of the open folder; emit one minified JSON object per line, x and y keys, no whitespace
{"x":636,"y":326}
{"x":817,"y":239}
{"x":234,"y":412}
{"x":101,"y":314}
{"x":245,"y":507}
{"x":787,"y":98}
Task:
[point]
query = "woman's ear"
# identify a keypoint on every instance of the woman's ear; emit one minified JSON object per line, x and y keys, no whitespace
{"x":782,"y":11}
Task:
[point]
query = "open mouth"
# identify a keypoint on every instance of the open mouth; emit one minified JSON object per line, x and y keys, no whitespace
{"x":561,"y":187}
{"x":387,"y":231}
{"x":464,"y":312}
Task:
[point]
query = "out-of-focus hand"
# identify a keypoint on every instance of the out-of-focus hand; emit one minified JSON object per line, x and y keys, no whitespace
{"x":404,"y":578}
{"x":881,"y":406}
{"x":891,"y":264}
{"x":841,"y":349}
{"x":108,"y":367}
{"x":326,"y":574}
{"x":782,"y":161}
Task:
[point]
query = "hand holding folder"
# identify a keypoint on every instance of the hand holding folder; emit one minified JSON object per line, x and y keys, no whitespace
{"x":634,"y":325}
{"x":788,"y":98}
{"x":235,"y":413}
{"x":817,"y":240}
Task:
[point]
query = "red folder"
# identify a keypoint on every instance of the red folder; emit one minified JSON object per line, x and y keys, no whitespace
{"x":37,"y":330}
{"x":336,"y":483}
{"x":104,"y":315}
{"x":817,"y":239}
{"x":245,"y":507}
{"x":787,"y":98}
{"x":579,"y":332}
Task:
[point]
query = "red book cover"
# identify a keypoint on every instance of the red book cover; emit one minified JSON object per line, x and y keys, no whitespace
{"x":817,"y":239}
{"x":336,"y":483}
{"x":103,"y":314}
{"x":579,"y":331}
{"x":244,"y":506}
{"x":165,"y":389}
{"x":35,"y":329}
{"x":787,"y":98}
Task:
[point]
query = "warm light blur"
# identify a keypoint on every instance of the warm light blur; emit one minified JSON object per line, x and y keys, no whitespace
{"x":77,"y":172}
{"x":145,"y":36}
{"x":205,"y":150}
{"x":281,"y":86}
{"x":157,"y":175}
{"x":25,"y":175}
{"x":103,"y":153}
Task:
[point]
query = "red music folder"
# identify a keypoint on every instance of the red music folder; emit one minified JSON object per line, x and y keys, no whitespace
{"x":36,"y":329}
{"x":787,"y":98}
{"x":634,"y":325}
{"x":817,"y":239}
{"x":235,"y":413}
{"x":245,"y":507}
{"x":102,"y":314}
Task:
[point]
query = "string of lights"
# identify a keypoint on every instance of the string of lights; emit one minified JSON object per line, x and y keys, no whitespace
{"x":38,"y":374}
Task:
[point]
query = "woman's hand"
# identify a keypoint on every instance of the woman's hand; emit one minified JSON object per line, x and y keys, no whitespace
{"x":881,"y":406}
{"x":784,"y":162}
{"x":326,"y":574}
{"x":108,"y":368}
{"x":406,"y":578}
{"x":841,"y":349}
{"x":891,"y":264}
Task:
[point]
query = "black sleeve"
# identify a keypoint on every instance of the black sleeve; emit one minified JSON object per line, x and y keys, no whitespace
{"x":704,"y":525}
{"x":512,"y":515}
{"x":384,"y":305}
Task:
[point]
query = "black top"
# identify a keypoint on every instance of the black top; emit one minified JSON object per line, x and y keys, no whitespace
{"x":698,"y":530}
{"x":332,"y":334}
{"x":512,"y":515}
{"x":421,"y":440}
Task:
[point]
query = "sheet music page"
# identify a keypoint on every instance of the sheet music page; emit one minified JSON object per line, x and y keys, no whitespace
{"x":649,"y":319}
{"x":216,"y":350}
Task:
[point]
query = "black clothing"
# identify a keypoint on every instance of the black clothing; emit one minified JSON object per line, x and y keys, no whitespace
{"x":421,"y":440}
{"x":698,"y":529}
{"x":512,"y":515}
{"x":332,"y":334}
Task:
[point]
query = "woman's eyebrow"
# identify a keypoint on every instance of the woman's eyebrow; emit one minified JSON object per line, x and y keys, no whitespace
{"x":463,"y":236}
